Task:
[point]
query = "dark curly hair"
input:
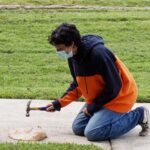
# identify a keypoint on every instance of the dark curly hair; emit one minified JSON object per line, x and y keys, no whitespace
{"x":65,"y":34}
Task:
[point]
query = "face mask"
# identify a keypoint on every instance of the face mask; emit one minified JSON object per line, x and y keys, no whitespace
{"x":64,"y":55}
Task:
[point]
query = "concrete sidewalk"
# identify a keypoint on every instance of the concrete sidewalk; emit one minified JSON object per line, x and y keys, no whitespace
{"x":58,"y":125}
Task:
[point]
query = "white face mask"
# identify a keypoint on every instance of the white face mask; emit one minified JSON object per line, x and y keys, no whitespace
{"x":64,"y":55}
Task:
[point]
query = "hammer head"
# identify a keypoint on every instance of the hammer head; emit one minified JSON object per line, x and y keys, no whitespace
{"x":28,"y":109}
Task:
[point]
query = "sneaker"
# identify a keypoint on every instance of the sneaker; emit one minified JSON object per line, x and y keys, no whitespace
{"x":145,"y":123}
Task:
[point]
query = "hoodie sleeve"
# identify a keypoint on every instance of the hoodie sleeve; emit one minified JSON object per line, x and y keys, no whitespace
{"x":105,"y":61}
{"x":73,"y":92}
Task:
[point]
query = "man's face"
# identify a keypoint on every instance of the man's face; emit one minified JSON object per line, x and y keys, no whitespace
{"x":64,"y":52}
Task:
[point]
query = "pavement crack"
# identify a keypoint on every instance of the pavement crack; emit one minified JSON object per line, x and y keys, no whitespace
{"x":111,"y":147}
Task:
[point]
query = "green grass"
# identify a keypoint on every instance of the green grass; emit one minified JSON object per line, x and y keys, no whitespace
{"x":80,"y":2}
{"x":29,"y":67}
{"x":49,"y":146}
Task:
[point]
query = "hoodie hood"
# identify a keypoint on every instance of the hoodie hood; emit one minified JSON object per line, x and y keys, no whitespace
{"x":88,"y":42}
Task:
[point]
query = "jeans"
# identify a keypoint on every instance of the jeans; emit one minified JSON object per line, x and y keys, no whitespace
{"x":106,"y":124}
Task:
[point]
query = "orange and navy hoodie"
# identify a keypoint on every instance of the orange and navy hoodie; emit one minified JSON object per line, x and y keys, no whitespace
{"x":100,"y":77}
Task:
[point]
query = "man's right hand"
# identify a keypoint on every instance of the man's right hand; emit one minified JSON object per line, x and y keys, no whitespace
{"x":50,"y":108}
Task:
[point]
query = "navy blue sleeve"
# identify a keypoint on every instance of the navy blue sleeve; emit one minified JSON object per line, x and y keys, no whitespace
{"x":105,"y":62}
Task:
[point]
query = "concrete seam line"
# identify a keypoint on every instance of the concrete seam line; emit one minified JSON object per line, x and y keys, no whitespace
{"x":111,"y":147}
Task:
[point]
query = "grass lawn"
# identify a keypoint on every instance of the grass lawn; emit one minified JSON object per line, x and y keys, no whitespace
{"x":49,"y":146}
{"x":30,"y":68}
{"x":81,"y":2}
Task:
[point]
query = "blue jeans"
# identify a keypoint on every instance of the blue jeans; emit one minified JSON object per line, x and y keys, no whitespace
{"x":106,"y":124}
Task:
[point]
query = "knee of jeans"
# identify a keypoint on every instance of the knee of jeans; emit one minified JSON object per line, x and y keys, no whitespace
{"x":77,"y":129}
{"x":92,"y":135}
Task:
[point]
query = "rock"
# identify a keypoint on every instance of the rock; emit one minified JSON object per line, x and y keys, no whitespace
{"x":30,"y":134}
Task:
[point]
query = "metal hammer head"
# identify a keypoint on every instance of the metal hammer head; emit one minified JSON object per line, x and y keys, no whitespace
{"x":28,"y":109}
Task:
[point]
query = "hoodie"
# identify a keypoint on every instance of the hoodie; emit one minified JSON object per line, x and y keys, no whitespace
{"x":100,"y":77}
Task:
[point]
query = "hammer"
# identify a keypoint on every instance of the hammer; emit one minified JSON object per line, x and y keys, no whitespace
{"x":33,"y":108}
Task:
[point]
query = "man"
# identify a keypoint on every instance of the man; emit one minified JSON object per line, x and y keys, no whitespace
{"x":103,"y":80}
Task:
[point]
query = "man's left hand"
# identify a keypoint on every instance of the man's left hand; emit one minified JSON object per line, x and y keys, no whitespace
{"x":86,"y":112}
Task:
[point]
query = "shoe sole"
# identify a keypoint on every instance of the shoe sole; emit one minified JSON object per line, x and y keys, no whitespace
{"x":148,"y":122}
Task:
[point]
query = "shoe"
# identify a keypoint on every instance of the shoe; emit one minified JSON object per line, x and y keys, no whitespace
{"x":145,"y":123}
